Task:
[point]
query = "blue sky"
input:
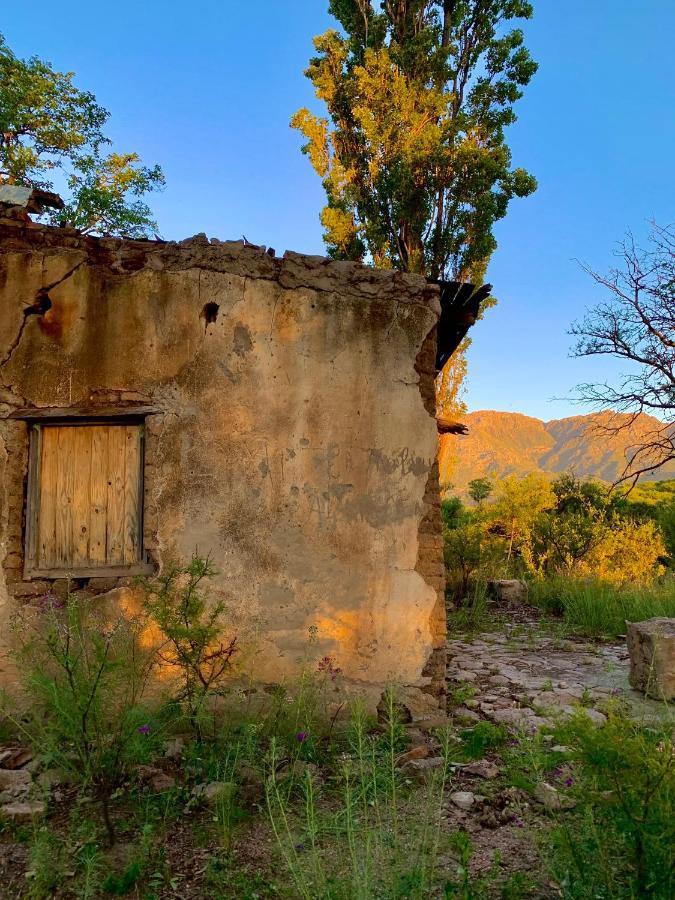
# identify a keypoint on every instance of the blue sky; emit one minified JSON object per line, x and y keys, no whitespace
{"x":207,"y":91}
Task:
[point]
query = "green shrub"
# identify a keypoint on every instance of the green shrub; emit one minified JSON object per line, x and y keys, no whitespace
{"x":192,"y":627}
{"x":85,"y":677}
{"x":618,"y":841}
{"x":366,"y":831}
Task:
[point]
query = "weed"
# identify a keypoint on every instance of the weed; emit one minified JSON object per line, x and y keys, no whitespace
{"x":46,"y":864}
{"x":460,"y":693}
{"x":358,"y":834}
{"x":482,"y":737}
{"x":465,"y":886}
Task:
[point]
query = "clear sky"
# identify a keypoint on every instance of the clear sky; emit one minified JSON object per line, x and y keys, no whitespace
{"x":206,"y":89}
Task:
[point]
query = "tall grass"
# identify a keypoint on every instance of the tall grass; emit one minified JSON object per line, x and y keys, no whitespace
{"x":357,"y":835}
{"x":599,"y":608}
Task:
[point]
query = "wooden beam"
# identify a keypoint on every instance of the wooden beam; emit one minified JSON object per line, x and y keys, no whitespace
{"x":450,"y":426}
{"x":39,"y":413}
{"x":91,"y":572}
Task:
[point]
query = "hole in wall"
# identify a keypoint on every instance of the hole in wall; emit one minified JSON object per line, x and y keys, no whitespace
{"x":41,"y":305}
{"x":210,"y":312}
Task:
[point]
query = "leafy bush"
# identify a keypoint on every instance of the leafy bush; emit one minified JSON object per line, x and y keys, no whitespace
{"x":619,"y":840}
{"x":192,"y":628}
{"x":568,"y":527}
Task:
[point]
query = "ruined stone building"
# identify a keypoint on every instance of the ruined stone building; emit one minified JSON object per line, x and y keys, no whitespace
{"x":158,"y":398}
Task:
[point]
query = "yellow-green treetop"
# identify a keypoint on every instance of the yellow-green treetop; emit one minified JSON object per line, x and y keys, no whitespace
{"x":412,"y":154}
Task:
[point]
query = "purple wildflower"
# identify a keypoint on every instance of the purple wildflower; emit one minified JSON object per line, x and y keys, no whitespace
{"x":301,"y":737}
{"x":518,"y":823}
{"x":50,"y":601}
{"x":327,"y":665}
{"x":569,"y":781}
{"x":143,"y":729}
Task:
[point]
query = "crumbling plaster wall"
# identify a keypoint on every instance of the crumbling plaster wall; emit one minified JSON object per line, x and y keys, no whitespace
{"x":294,"y":437}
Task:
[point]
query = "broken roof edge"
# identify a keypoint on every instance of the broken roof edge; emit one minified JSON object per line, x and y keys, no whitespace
{"x":28,"y":198}
{"x":125,"y":256}
{"x":460,"y":307}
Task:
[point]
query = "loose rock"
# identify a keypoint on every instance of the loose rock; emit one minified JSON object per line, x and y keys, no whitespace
{"x":423,"y":769}
{"x":420,"y":752}
{"x":463,"y":799}
{"x":22,"y":811}
{"x":551,"y":798}
{"x":651,"y":647}
{"x":508,"y":590}
{"x":483,"y":768}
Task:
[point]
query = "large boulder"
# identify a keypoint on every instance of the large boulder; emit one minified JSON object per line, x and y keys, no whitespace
{"x":651,"y":647}
{"x":511,"y":591}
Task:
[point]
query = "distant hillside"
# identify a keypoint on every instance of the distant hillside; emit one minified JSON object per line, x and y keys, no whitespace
{"x":502,"y":443}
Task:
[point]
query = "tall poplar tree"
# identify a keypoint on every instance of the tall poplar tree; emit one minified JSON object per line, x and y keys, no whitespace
{"x":413,"y":153}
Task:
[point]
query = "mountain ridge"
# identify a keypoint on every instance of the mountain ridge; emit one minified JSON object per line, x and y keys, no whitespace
{"x":505,"y":443}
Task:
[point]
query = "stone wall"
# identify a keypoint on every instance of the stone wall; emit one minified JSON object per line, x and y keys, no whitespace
{"x":291,"y":434}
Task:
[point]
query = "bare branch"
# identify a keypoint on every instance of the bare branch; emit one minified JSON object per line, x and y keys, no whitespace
{"x":636,"y":324}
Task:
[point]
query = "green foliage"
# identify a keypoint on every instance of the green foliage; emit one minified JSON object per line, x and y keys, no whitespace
{"x":619,"y":840}
{"x":480,"y":489}
{"x":601,"y":608}
{"x":46,"y":865}
{"x":482,"y":737}
{"x":85,"y":677}
{"x":414,"y":159}
{"x":655,"y":501}
{"x":47,"y":126}
{"x":192,"y":627}
{"x":534,"y":527}
{"x":106,"y":195}
{"x":120,"y":885}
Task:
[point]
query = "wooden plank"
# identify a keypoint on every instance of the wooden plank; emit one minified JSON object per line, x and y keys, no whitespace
{"x":132,"y":487}
{"x":99,"y":494}
{"x":116,"y":481}
{"x":81,"y":444}
{"x":33,"y":498}
{"x":64,"y":495}
{"x":47,"y":472}
{"x":92,"y":571}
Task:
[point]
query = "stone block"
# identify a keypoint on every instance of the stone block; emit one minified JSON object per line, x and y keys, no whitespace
{"x":508,"y":590}
{"x":651,"y":647}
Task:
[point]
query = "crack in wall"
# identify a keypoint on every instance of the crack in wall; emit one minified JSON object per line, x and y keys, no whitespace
{"x":39,"y":307}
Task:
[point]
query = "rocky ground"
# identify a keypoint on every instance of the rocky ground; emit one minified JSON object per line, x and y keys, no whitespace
{"x":524,"y":675}
{"x":520,"y":673}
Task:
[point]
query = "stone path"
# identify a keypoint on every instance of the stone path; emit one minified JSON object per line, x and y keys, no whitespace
{"x":526,"y":677}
